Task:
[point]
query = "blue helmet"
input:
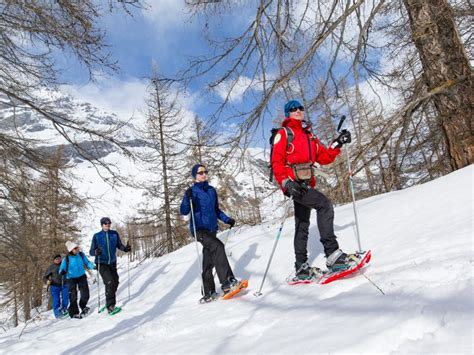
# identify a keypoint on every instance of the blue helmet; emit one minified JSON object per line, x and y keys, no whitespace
{"x":291,"y":104}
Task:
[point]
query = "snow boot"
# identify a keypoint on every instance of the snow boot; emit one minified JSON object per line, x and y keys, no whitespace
{"x":211,"y":296}
{"x":76,"y":316}
{"x":303,"y":271}
{"x":85,"y":311}
{"x":230,"y":285}
{"x":338,"y":261}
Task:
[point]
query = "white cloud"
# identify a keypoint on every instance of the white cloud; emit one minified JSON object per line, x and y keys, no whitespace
{"x":124,"y":98}
{"x":166,"y":15}
{"x":238,"y":90}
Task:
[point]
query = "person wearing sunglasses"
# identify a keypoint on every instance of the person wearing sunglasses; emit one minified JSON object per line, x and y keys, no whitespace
{"x":295,"y":150}
{"x":104,"y":247}
{"x":206,"y":213}
{"x":57,"y":284}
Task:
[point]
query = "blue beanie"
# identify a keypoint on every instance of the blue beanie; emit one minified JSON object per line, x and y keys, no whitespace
{"x":291,"y":104}
{"x":195,"y":169}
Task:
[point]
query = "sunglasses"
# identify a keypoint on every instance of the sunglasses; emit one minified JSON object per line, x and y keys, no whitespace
{"x":294,"y":109}
{"x":107,"y":224}
{"x":202,"y":172}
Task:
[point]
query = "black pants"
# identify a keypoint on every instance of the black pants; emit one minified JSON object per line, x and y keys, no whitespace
{"x":213,"y":254}
{"x":325,"y":218}
{"x":109,"y":275}
{"x":72,"y":285}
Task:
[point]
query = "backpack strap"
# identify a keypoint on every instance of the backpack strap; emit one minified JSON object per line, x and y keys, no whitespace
{"x":289,"y":139}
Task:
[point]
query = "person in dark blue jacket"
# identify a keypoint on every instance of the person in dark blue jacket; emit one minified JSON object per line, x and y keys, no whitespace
{"x":206,"y":212}
{"x":104,"y":247}
{"x":73,"y":267}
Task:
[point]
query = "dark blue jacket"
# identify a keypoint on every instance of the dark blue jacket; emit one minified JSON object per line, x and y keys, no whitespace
{"x":108,"y":242}
{"x":206,"y":207}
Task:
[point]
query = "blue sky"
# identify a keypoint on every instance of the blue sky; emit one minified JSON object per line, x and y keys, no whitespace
{"x":166,"y":34}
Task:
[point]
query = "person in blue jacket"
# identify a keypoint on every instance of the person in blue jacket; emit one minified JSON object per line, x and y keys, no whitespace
{"x":73,"y":267}
{"x":104,"y":247}
{"x":206,"y":212}
{"x":57,"y":284}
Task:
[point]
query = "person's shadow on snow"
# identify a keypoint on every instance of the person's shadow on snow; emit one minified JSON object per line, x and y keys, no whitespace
{"x":130,"y":324}
{"x":246,"y":258}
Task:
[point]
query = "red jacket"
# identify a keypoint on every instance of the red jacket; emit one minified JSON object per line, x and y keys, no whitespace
{"x":298,"y":152}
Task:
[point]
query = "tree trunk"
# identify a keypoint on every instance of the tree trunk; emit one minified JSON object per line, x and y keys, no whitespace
{"x":445,"y":65}
{"x":164,"y":167}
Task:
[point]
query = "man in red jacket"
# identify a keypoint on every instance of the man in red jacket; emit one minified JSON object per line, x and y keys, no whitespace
{"x":295,"y":150}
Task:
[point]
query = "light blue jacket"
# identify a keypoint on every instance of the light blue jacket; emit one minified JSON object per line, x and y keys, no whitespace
{"x":74,"y":265}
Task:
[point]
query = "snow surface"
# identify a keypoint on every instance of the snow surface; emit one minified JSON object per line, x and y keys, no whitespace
{"x":422,"y":244}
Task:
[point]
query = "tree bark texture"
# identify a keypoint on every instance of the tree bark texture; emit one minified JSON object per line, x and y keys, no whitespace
{"x":445,"y":66}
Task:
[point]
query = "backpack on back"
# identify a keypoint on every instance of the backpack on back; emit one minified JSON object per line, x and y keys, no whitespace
{"x":289,"y":140}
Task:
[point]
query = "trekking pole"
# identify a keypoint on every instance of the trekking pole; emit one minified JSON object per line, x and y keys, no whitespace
{"x":351,"y":185}
{"x":225,"y":242}
{"x":128,"y":271}
{"x":259,"y":293}
{"x":197,"y":248}
{"x":98,"y":283}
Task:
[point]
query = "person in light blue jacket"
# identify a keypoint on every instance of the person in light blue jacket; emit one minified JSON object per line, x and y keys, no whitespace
{"x":73,"y":267}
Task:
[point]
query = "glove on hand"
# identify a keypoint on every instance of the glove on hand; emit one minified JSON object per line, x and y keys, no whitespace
{"x":231,"y":222}
{"x":189,"y":192}
{"x":344,"y":138}
{"x":128,"y":248}
{"x":98,"y":251}
{"x":295,"y":189}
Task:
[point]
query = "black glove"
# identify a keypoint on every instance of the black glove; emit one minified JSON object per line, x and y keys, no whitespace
{"x":98,"y":251}
{"x":189,"y":193}
{"x":231,"y":222}
{"x":295,"y":189}
{"x":63,"y":272}
{"x":344,"y":138}
{"x":127,"y":248}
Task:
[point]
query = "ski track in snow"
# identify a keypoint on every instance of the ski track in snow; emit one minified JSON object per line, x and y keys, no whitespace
{"x":422,"y":244}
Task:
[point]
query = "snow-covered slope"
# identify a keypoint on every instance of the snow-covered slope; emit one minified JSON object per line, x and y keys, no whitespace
{"x":421,"y":239}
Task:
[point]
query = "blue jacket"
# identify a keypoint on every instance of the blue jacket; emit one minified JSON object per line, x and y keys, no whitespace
{"x":76,"y":263}
{"x":108,"y":242}
{"x":206,"y":208}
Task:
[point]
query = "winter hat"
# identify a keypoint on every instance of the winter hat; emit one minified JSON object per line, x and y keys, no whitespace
{"x":289,"y":105}
{"x":195,"y":169}
{"x":71,"y":245}
{"x":105,"y":220}
{"x":56,"y":256}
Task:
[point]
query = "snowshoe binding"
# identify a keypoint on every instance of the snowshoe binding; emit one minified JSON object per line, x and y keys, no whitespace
{"x":210,"y":297}
{"x":232,"y":287}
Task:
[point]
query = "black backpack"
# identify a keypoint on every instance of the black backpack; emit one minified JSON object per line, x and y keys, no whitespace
{"x":289,"y":140}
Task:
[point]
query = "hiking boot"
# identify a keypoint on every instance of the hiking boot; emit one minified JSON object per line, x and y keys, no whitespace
{"x":85,"y":311}
{"x":230,"y":285}
{"x":338,"y":261}
{"x":211,"y":296}
{"x":76,"y":316}
{"x":303,"y":271}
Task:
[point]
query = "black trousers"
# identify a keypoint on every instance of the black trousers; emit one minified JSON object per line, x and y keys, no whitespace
{"x":72,"y":285}
{"x":325,"y":218}
{"x":110,"y":277}
{"x":213,"y":255}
